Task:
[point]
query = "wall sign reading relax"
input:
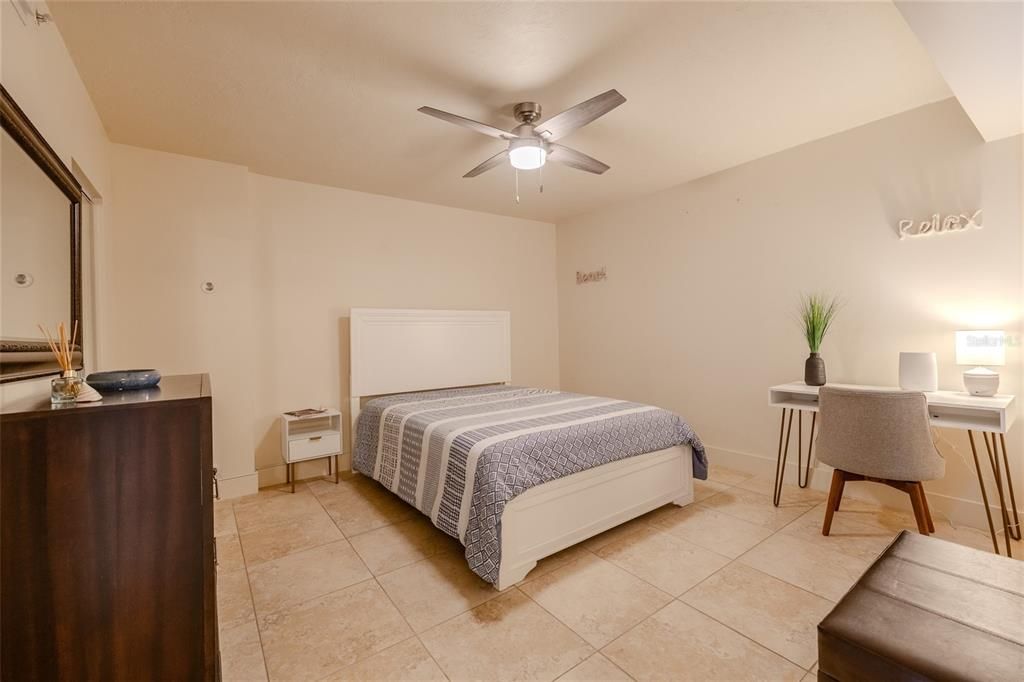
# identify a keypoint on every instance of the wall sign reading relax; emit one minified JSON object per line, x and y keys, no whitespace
{"x":938,"y":225}
{"x":592,"y":276}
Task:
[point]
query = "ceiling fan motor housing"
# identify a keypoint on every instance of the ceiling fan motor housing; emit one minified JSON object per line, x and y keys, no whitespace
{"x":527,"y":112}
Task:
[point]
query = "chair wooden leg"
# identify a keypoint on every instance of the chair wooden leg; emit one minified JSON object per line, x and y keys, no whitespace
{"x":835,"y":492}
{"x":839,"y":495}
{"x":927,"y":509}
{"x":917,"y":502}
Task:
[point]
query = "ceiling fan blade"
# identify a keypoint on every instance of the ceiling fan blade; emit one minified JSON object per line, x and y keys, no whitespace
{"x":574,"y":159}
{"x":487,"y":165}
{"x":579,"y":115}
{"x":467,"y":123}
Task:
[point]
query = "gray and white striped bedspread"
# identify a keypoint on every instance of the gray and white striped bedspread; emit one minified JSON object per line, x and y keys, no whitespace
{"x":461,"y":455}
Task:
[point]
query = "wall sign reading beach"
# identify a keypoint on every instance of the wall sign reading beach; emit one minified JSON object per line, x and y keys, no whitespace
{"x":938,"y":225}
{"x":592,"y":276}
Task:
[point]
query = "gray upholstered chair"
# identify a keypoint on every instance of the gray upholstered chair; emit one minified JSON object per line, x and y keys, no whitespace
{"x":880,"y":436}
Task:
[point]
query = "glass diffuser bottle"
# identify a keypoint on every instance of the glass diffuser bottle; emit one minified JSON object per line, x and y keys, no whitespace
{"x":64,"y":389}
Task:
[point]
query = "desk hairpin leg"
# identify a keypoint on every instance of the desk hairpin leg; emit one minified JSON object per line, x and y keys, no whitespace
{"x":1013,"y":527}
{"x":1010,"y":527}
{"x":803,"y":471}
{"x":1010,"y":517}
{"x":810,"y":449}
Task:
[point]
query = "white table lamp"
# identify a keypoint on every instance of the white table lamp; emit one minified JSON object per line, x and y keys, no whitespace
{"x":981,"y":349}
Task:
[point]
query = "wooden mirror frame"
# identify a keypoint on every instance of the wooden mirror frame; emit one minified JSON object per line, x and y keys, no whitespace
{"x":19,"y":127}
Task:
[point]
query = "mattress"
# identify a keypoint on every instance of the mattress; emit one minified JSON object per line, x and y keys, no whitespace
{"x":461,"y":455}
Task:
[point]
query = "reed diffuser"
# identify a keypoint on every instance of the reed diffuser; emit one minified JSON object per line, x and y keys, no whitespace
{"x":64,"y":389}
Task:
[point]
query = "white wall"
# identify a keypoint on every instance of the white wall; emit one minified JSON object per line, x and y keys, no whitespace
{"x":324,"y":251}
{"x":704,"y":279}
{"x":288,"y":261}
{"x":38,"y":72}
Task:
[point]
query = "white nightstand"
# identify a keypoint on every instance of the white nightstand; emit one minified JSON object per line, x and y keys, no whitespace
{"x":314,"y":436}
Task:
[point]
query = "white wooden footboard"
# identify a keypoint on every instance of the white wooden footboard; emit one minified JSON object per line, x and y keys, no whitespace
{"x":561,"y":513}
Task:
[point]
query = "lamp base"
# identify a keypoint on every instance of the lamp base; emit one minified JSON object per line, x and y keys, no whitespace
{"x":981,"y":382}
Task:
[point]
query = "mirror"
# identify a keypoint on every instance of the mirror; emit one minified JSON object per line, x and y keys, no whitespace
{"x":40,"y":255}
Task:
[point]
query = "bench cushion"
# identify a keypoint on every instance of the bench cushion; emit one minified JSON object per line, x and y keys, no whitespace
{"x":928,"y":609}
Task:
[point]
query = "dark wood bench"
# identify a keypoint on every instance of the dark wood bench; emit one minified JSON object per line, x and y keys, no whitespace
{"x":928,"y":609}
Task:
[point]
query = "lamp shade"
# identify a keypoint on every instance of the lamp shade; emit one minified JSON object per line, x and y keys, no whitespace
{"x":977,"y":348}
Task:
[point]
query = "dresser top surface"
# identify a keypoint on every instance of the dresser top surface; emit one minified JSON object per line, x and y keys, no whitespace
{"x":175,"y":387}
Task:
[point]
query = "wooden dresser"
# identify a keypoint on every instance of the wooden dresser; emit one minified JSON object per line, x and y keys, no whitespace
{"x":107,"y":561}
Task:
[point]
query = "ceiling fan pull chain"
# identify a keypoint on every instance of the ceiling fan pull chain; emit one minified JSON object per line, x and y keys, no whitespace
{"x":540,"y":178}
{"x":517,"y":185}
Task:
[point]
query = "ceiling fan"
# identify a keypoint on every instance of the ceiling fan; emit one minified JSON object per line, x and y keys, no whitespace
{"x":532,"y":143}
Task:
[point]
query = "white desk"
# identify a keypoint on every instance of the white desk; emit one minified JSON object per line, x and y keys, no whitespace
{"x":992,"y":417}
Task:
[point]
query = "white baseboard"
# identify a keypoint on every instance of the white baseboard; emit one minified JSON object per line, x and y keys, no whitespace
{"x":238,"y":486}
{"x":958,"y":510}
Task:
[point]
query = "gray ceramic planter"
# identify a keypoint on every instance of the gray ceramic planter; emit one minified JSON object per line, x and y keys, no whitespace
{"x":814,"y":370}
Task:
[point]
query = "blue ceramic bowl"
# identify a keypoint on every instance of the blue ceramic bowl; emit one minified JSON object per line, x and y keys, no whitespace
{"x":123,"y":380}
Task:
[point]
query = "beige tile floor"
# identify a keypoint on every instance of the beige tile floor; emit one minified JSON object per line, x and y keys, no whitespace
{"x":345,"y":582}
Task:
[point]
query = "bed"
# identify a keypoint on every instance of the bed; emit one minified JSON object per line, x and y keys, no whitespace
{"x":515,"y":473}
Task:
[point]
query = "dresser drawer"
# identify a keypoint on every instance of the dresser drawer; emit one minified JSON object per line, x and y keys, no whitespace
{"x":314,"y":446}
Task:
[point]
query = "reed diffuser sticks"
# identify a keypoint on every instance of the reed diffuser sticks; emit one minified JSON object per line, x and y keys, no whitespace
{"x":62,"y":346}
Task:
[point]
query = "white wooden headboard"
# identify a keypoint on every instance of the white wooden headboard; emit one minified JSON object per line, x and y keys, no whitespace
{"x":397,"y":351}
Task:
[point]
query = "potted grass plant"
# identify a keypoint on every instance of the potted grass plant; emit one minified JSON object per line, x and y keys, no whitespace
{"x":817,"y":312}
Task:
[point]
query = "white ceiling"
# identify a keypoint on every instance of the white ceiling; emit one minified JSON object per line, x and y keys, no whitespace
{"x":328,"y":92}
{"x":978,"y":48}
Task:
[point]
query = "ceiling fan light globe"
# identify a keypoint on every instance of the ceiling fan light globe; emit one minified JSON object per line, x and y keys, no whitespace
{"x":527,"y":157}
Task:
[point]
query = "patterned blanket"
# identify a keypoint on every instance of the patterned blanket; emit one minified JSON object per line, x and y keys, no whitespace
{"x":461,"y":455}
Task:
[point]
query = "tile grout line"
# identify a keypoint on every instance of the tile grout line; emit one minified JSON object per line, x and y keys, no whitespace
{"x":680,"y":598}
{"x":557,"y":619}
{"x":386,"y":595}
{"x":702,"y":504}
{"x":256,"y":618}
{"x":431,"y":654}
{"x":731,"y":562}
{"x":374,"y":577}
{"x":598,"y":652}
{"x":586,"y":549}
{"x":811,"y":507}
{"x":252,"y":602}
{"x":571,"y":629}
{"x":747,"y":637}
{"x":673,"y":537}
{"x":369,"y":530}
